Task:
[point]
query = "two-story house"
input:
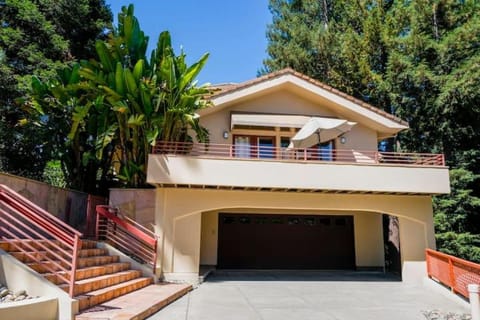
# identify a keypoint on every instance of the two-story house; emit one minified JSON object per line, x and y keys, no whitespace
{"x":291,"y":179}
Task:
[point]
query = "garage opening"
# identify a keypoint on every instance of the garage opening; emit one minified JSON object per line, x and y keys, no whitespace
{"x":274,"y":241}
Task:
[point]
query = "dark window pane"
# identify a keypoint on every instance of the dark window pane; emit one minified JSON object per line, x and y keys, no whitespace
{"x":324,"y":221}
{"x":310,"y":221}
{"x":293,"y":220}
{"x":228,"y":220}
{"x":265,"y":148}
{"x":277,"y":220}
{"x":340,"y":222}
{"x":261,"y":220}
{"x":244,"y":220}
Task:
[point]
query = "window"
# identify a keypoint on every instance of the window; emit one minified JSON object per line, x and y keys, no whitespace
{"x":285,"y":153}
{"x":322,"y":151}
{"x":242,"y":147}
{"x":244,"y":220}
{"x":310,"y":221}
{"x":254,"y":147}
{"x":228,"y":220}
{"x":325,"y":151}
{"x":266,"y":147}
{"x":324,"y":221}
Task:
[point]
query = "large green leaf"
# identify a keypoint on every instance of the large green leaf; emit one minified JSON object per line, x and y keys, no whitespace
{"x":119,"y":80}
{"x":192,"y":72}
{"x":132,"y":87}
{"x":104,"y":139}
{"x":138,"y":70}
{"x":136,"y":120}
{"x":78,"y":117}
{"x":105,"y":56}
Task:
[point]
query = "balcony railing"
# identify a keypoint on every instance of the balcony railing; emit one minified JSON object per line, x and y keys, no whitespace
{"x":453,"y":272}
{"x":294,"y":154}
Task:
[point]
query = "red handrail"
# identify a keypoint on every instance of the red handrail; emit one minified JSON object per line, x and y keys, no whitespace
{"x":453,"y":272}
{"x":212,"y":150}
{"x":29,"y":228}
{"x":126,"y":235}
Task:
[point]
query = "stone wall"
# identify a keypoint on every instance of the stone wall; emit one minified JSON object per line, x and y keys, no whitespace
{"x":68,"y":205}
{"x":137,"y":204}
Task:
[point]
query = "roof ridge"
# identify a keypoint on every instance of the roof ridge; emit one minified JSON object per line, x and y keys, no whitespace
{"x":286,"y":71}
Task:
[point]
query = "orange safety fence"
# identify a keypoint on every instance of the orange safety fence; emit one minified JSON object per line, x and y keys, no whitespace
{"x":451,"y":271}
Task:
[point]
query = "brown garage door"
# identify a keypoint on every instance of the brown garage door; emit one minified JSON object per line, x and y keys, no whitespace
{"x":272,"y":241}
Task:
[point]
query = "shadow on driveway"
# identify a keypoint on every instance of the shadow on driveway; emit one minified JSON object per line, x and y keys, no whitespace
{"x":300,"y":275}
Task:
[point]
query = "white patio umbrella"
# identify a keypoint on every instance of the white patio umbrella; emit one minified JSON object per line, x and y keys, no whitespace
{"x":318,"y":130}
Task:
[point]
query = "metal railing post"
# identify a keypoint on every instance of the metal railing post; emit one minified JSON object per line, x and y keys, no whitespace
{"x":76,"y":246}
{"x":128,"y":236}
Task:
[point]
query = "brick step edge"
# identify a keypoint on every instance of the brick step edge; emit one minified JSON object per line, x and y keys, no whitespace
{"x":97,"y":297}
{"x":129,"y":306}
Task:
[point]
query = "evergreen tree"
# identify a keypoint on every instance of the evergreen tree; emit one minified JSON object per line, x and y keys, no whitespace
{"x":419,"y":60}
{"x":36,"y":38}
{"x":342,"y":43}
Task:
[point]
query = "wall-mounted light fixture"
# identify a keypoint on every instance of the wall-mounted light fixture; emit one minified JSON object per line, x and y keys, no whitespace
{"x":343,"y":139}
{"x":225,"y":134}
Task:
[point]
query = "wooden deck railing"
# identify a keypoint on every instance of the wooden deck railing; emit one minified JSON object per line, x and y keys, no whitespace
{"x":453,"y":272}
{"x":126,"y":235}
{"x":294,"y":154}
{"x":39,"y":235}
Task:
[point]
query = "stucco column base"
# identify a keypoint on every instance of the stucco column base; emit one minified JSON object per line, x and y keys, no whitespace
{"x":182,"y":277}
{"x":414,"y":272}
{"x":474,"y":290}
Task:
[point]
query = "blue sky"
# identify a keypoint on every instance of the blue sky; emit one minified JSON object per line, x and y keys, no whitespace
{"x":233,"y":32}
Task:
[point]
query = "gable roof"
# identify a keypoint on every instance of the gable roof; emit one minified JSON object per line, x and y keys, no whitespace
{"x":223,"y":90}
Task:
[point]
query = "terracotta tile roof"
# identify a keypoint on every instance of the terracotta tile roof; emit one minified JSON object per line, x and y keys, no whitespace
{"x":222,"y":89}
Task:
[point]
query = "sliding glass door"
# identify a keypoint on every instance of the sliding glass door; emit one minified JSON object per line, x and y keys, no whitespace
{"x":254,"y":147}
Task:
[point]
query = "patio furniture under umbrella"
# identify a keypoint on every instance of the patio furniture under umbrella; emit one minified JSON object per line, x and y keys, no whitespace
{"x":318,"y":130}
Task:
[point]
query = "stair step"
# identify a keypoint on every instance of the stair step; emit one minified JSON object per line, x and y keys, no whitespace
{"x":137,"y":305}
{"x":5,"y":246}
{"x":81,"y":262}
{"x":89,"y":244}
{"x":96,"y":297}
{"x":28,"y":257}
{"x":96,"y":283}
{"x":28,"y":244}
{"x":91,"y":272}
{"x":33,"y":256}
{"x":41,"y":267}
{"x":92,"y":252}
{"x":96,"y":261}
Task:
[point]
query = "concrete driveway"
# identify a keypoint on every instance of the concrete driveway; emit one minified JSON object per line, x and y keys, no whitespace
{"x":308,"y":295}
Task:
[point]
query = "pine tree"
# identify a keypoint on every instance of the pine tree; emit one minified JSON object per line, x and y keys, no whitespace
{"x":419,"y":60}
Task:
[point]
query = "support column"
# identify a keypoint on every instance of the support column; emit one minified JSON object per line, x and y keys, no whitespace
{"x":474,"y":290}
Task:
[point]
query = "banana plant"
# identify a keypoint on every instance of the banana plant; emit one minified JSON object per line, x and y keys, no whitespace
{"x":121,"y":103}
{"x":180,"y":98}
{"x":80,"y":126}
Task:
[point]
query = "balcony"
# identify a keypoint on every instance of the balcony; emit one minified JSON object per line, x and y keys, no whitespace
{"x":249,"y":167}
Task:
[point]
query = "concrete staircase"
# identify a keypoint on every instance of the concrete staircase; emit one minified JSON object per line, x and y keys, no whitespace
{"x":99,"y":277}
